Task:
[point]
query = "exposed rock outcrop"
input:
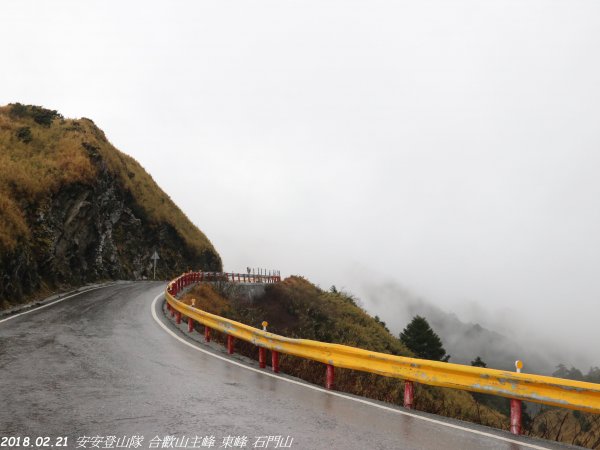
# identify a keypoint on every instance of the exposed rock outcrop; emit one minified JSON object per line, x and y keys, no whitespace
{"x":93,"y":228}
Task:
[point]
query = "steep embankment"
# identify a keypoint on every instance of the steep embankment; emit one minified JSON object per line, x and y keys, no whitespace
{"x":297,"y":308}
{"x":74,"y":209}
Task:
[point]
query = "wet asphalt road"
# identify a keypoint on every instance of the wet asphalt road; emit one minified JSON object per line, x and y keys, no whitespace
{"x":99,"y":364}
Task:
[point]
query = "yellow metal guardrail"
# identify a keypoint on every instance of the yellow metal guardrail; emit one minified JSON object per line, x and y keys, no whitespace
{"x":553,"y":391}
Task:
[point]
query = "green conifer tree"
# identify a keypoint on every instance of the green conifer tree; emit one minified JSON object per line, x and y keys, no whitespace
{"x":423,"y":341}
{"x":478,"y":362}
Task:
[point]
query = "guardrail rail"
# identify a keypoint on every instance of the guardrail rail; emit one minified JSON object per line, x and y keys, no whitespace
{"x":576,"y":395}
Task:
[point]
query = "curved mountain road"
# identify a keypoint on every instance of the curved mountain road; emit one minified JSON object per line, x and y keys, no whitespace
{"x":107,"y":362}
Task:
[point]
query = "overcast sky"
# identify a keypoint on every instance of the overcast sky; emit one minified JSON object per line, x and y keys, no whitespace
{"x":451,"y":147}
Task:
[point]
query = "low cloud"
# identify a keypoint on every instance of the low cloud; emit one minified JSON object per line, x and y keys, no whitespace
{"x":474,"y":331}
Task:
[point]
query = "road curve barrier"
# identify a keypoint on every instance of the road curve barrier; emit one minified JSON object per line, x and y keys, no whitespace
{"x":576,"y":395}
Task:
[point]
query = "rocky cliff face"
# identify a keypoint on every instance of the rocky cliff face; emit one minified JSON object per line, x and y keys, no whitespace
{"x":91,"y":229}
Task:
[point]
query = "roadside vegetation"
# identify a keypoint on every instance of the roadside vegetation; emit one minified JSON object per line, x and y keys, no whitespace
{"x":573,"y":427}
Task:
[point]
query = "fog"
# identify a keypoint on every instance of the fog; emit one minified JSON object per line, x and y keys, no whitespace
{"x":448,"y":149}
{"x":468,"y":331}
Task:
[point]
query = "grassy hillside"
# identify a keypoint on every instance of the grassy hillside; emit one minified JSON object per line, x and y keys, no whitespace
{"x":298,"y":308}
{"x":40,"y":151}
{"x":48,"y":164}
{"x":570,"y":427}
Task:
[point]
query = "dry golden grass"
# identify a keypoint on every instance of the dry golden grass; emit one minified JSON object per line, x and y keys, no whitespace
{"x":210,"y":300}
{"x":571,"y":427}
{"x":12,"y":223}
{"x":62,"y":153}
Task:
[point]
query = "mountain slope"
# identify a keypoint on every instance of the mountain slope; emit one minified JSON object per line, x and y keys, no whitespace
{"x":74,"y":209}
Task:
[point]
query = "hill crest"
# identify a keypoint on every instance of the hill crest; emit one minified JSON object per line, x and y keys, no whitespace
{"x":76,"y":209}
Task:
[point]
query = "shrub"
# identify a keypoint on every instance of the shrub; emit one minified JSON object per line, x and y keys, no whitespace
{"x":41,"y":116}
{"x":18,"y":110}
{"x":44,"y":116}
{"x":24,"y":135}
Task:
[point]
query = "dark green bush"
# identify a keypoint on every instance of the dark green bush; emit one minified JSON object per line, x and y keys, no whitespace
{"x":19,"y":110}
{"x":44,"y":116}
{"x":24,"y":135}
{"x":41,"y":116}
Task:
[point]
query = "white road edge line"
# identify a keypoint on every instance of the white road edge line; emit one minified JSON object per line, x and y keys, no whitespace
{"x":337,"y":394}
{"x":54,"y":302}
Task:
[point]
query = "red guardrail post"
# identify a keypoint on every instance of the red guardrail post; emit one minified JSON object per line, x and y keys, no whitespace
{"x":262,"y":357}
{"x":206,"y":334}
{"x":190,"y":324}
{"x":409,"y":394}
{"x":516,"y":407}
{"x":172,"y":312}
{"x":178,"y":318}
{"x":230,"y":341}
{"x":275,"y":361}
{"x":329,"y":377}
{"x":515,"y":416}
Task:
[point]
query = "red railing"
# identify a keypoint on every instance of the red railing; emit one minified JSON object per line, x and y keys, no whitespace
{"x":186,"y":279}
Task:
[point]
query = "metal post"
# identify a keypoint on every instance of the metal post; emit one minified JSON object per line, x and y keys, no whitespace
{"x":275,"y":361}
{"x":515,"y":416}
{"x":516,"y":407}
{"x":409,"y":394}
{"x":190,"y":324}
{"x":329,"y":377}
{"x":230,"y":341}
{"x":262,"y":357}
{"x":206,"y":334}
